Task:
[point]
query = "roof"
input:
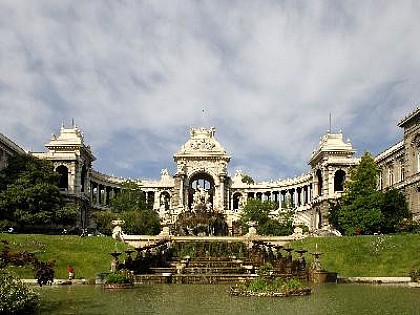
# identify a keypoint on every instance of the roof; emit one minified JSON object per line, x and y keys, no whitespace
{"x":332,"y":143}
{"x":202,"y":143}
{"x":390,"y":151}
{"x":413,"y":115}
{"x":11,"y":145}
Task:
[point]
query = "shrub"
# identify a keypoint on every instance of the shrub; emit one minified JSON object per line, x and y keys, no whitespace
{"x":266,"y":285}
{"x":415,"y":275}
{"x":291,"y":284}
{"x":104,"y":221}
{"x":121,"y":276}
{"x":258,"y":285}
{"x":15,"y":296}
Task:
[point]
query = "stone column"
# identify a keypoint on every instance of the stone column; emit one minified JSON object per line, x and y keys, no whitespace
{"x":72,"y":178}
{"x":330,"y":181}
{"x":222,"y":193}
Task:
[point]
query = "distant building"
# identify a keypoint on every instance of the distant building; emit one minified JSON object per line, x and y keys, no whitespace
{"x":202,"y":176}
{"x":400,"y":164}
{"x":8,"y":149}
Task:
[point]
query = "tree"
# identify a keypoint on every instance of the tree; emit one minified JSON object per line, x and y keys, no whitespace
{"x":144,"y":222}
{"x":256,"y":211}
{"x":247,"y":179}
{"x":360,"y":210}
{"x":364,"y":209}
{"x":395,"y":210}
{"x":131,"y":206}
{"x":131,"y":197}
{"x":29,"y":193}
{"x":259,"y":212}
{"x":67,"y":215}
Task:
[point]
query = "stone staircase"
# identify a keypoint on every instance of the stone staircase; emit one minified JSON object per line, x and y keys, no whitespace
{"x":200,"y":270}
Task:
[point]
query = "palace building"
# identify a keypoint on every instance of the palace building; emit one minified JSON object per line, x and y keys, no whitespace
{"x":202,"y":176}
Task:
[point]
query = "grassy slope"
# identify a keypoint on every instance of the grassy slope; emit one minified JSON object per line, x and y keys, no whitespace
{"x":88,"y":255}
{"x":388,"y":255}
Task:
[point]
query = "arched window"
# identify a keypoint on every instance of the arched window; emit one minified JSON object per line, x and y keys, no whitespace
{"x":165,"y":199}
{"x":339,"y":179}
{"x":236,"y":201}
{"x":401,"y":171}
{"x":64,"y":177}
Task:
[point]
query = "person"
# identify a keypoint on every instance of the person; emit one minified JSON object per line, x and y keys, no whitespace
{"x":71,"y":272}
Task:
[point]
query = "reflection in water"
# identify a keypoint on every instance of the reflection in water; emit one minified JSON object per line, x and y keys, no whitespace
{"x":215,"y":299}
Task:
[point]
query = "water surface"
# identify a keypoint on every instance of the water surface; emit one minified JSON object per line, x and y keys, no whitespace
{"x":215,"y":299}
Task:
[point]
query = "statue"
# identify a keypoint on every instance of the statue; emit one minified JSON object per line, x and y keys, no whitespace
{"x":200,"y":197}
{"x":117,"y":232}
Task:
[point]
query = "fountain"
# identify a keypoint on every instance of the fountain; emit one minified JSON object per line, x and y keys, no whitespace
{"x":301,"y":265}
{"x":115,"y":261}
{"x":288,"y":260}
{"x":317,"y":274}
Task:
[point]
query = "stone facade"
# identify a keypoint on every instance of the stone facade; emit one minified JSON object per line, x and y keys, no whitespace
{"x":202,"y":176}
{"x":7,"y":149}
{"x":400,"y":164}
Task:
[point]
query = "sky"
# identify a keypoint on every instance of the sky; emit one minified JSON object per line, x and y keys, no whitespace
{"x":135,"y":75}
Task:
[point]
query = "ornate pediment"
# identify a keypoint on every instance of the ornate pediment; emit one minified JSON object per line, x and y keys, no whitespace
{"x":202,"y":143}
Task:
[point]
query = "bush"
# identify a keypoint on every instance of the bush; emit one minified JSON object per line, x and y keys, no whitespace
{"x":415,"y":275}
{"x":266,"y":285}
{"x":103,"y":221}
{"x":291,"y":284}
{"x":15,"y":296}
{"x":258,"y":285}
{"x":143,"y":222}
{"x":121,"y":276}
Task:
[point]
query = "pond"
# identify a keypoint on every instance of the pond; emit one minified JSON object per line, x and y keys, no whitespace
{"x":215,"y":299}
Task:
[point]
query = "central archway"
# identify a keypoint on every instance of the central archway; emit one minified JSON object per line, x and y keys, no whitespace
{"x":201,"y":182}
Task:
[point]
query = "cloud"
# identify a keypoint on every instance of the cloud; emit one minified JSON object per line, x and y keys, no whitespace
{"x":136,"y":74}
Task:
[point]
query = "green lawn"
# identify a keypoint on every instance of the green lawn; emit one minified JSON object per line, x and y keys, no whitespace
{"x":387,"y":255}
{"x":88,"y":255}
{"x":369,"y":256}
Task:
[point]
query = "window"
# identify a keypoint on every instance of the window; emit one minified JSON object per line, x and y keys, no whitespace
{"x":401,"y":171}
{"x":64,"y":177}
{"x":418,"y":162}
{"x":390,"y":176}
{"x":339,"y":178}
{"x":319,"y":180}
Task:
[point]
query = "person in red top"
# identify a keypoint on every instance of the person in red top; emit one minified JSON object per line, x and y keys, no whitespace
{"x":71,"y":272}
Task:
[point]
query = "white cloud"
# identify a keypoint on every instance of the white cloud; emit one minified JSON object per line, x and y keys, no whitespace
{"x":268,"y":74}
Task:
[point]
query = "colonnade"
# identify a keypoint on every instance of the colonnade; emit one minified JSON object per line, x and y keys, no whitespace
{"x":286,"y":198}
{"x":101,"y":195}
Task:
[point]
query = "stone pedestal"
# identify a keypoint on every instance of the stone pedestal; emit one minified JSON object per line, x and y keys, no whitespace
{"x":322,"y":276}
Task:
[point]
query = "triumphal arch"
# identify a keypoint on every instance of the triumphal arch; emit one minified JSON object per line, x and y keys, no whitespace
{"x":201,"y":172}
